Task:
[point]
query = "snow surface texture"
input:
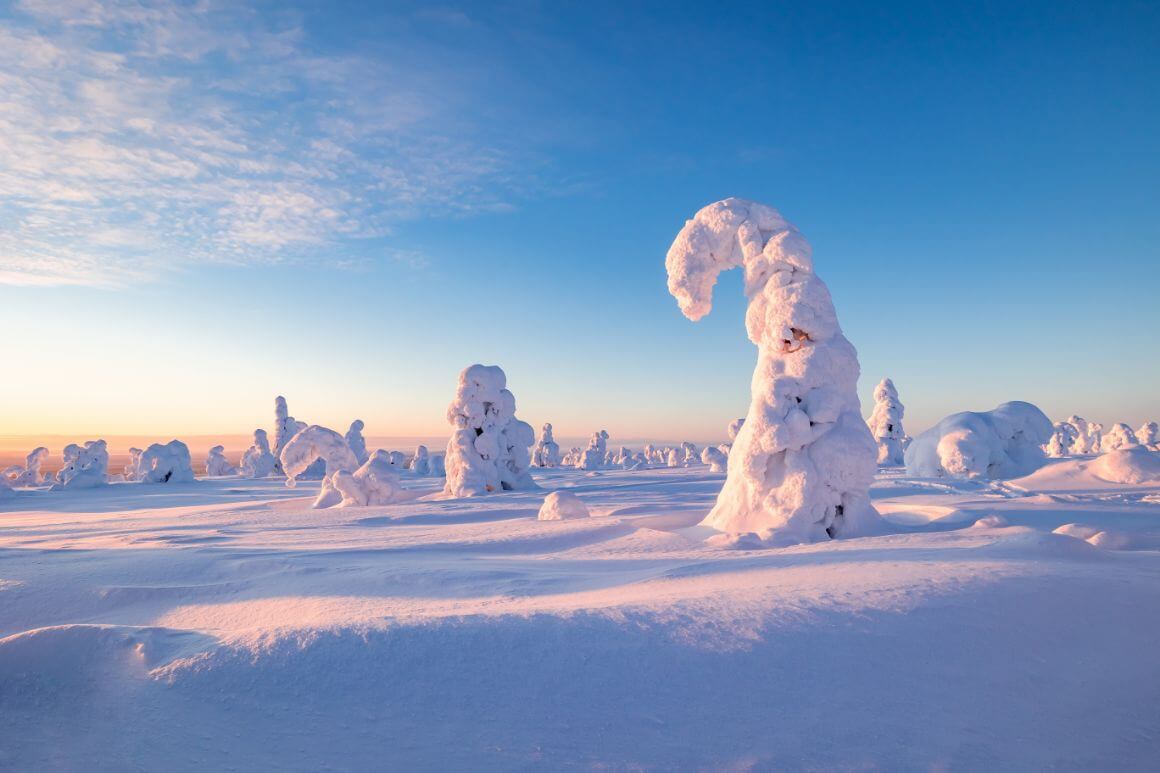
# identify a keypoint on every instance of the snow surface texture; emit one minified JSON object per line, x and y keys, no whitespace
{"x":1119,"y":436}
{"x":84,"y":466}
{"x":216,"y":464}
{"x":356,"y":441}
{"x":562,"y":506}
{"x":228,"y":626}
{"x":547,"y":451}
{"x":886,"y":424}
{"x":1004,"y":443}
{"x":257,"y":461}
{"x":802,"y":463}
{"x":164,"y":463}
{"x":489,"y":447}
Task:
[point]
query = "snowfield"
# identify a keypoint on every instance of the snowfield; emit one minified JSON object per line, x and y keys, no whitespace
{"x":225,"y":624}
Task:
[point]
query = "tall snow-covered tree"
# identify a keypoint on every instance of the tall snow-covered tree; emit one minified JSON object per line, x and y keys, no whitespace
{"x":801,"y":467}
{"x":885,"y":423}
{"x":489,"y":449}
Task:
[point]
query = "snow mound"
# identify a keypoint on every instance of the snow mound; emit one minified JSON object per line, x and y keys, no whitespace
{"x":1004,"y":443}
{"x":562,"y":506}
{"x":1134,"y":465}
{"x":489,"y":447}
{"x":801,"y":466}
{"x":1100,"y":538}
{"x":990,"y":522}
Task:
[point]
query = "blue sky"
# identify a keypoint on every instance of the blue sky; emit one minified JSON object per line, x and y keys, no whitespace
{"x":206,"y":204}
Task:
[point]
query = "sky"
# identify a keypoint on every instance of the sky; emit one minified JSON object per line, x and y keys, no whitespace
{"x":205,"y":204}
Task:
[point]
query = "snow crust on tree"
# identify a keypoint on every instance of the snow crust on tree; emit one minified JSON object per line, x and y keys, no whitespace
{"x":885,"y":424}
{"x":314,"y":444}
{"x":84,"y":466}
{"x":562,"y":506}
{"x":547,"y":451}
{"x":1133,"y":465}
{"x":257,"y":461}
{"x":593,"y":457}
{"x":356,"y":441}
{"x":216,"y":464}
{"x":717,"y":460}
{"x":165,"y":463}
{"x":1006,"y":442}
{"x":1119,"y":436}
{"x":735,"y":427}
{"x":801,"y":466}
{"x":30,"y":474}
{"x":1149,"y":435}
{"x":489,"y":449}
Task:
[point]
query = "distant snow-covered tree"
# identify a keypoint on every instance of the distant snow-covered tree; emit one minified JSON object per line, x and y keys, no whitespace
{"x":1119,"y":436}
{"x":216,"y":464}
{"x":885,"y":424}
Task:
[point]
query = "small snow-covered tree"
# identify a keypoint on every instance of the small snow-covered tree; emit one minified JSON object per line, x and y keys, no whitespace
{"x":85,"y":466}
{"x":1119,"y":436}
{"x":717,"y":460}
{"x":165,"y":463}
{"x":801,"y":467}
{"x":675,"y":457}
{"x":489,"y":449}
{"x":421,"y":463}
{"x":257,"y":461}
{"x":1088,"y":435}
{"x":547,"y":451}
{"x":1063,"y":439}
{"x":375,"y":482}
{"x":30,"y":474}
{"x":690,"y":455}
{"x":886,"y":424}
{"x":216,"y":464}
{"x":1149,"y":434}
{"x":314,"y":444}
{"x":438,"y":465}
{"x":593,"y":457}
{"x":285,"y":428}
{"x":356,"y":441}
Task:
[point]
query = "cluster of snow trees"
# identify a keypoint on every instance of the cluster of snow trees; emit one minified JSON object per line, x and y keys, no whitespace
{"x":1075,"y":436}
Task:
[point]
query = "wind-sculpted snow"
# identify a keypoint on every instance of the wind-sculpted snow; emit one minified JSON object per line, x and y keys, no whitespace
{"x":489,"y":450}
{"x":1004,"y":443}
{"x":886,"y":424}
{"x":801,"y":465}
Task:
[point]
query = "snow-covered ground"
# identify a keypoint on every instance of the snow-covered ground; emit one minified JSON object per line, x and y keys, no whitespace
{"x":224,"y":624}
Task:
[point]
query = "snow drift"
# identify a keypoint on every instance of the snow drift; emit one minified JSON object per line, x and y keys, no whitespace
{"x":562,"y":506}
{"x":1133,"y":465}
{"x":801,"y":466}
{"x":1004,"y":443}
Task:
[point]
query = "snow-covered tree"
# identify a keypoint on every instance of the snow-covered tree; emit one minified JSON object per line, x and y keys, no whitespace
{"x":1119,"y":436}
{"x":1088,"y":435}
{"x":735,"y":427}
{"x":165,"y":463}
{"x":356,"y":441}
{"x":421,"y":463}
{"x":801,"y":467}
{"x":30,"y":474}
{"x":257,"y":461}
{"x":1063,"y":439}
{"x":285,"y":428}
{"x":1004,"y":443}
{"x":717,"y":460}
{"x":489,"y":449}
{"x":593,"y":457}
{"x":675,"y":457}
{"x":216,"y":464}
{"x":1149,"y":435}
{"x":547,"y":451}
{"x":85,"y":466}
{"x":314,"y":444}
{"x":886,"y":424}
{"x":438,"y":465}
{"x":375,"y":482}
{"x":562,"y":506}
{"x":689,"y":454}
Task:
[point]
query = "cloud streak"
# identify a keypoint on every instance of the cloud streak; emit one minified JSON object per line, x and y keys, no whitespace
{"x":142,"y":138}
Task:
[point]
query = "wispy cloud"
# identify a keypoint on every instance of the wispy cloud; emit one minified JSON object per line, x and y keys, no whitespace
{"x":142,"y":137}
